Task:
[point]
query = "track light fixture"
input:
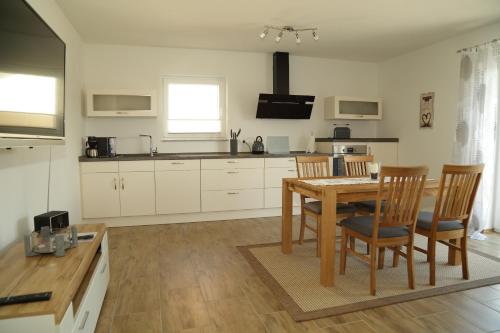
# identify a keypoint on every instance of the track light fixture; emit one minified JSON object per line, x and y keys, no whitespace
{"x":287,"y":28}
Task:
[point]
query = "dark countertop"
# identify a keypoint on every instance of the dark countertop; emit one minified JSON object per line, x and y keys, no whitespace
{"x":190,"y":156}
{"x":358,"y":140}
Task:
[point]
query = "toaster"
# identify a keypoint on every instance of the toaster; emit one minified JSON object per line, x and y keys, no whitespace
{"x":342,"y":132}
{"x":53,"y":219}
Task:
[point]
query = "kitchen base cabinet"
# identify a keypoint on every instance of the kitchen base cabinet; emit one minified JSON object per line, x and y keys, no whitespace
{"x":100,"y":195}
{"x":213,"y":201}
{"x":137,"y":193}
{"x":178,"y":192}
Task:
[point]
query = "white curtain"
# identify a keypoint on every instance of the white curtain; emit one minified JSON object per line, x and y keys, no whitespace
{"x":476,"y":131}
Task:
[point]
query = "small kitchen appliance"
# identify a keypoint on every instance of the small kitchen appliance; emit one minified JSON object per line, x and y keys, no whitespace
{"x":258,"y":146}
{"x":103,"y":146}
{"x":341,"y":132}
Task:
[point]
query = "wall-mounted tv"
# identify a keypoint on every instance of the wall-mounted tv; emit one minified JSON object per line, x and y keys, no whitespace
{"x":32,"y":67}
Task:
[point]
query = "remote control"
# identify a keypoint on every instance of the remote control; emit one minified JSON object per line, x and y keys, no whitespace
{"x":45,"y":296}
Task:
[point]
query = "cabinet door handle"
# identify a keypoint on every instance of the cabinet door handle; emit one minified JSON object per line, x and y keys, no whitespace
{"x":114,"y":182}
{"x":177,"y":163}
{"x":232,"y":193}
{"x":231,"y":172}
{"x":104,"y":268}
{"x":84,"y":321}
{"x":232,"y":162}
{"x":123,"y":183}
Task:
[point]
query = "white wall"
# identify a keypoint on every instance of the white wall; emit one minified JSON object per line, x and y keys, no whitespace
{"x":247,"y":75}
{"x":24,"y":172}
{"x":402,"y":80}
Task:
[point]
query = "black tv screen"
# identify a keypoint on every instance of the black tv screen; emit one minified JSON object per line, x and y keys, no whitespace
{"x":32,"y":66}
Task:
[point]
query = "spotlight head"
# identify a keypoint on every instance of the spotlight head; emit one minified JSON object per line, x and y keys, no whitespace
{"x":297,"y":38}
{"x":264,"y":34}
{"x":315,"y":35}
{"x":278,"y":38}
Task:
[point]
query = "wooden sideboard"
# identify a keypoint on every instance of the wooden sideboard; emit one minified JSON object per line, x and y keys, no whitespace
{"x":78,"y":282}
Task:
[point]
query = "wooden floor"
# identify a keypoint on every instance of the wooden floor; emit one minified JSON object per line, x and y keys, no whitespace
{"x":191,"y":278}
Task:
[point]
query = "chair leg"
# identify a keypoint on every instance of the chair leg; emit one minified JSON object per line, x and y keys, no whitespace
{"x":432,"y":262}
{"x":352,"y":243}
{"x":429,"y":241}
{"x":373,"y":271}
{"x":343,"y":252}
{"x":409,"y":262}
{"x":465,"y":264}
{"x":318,"y":236}
{"x":381,"y":257}
{"x":395,"y":258}
{"x":367,"y":248}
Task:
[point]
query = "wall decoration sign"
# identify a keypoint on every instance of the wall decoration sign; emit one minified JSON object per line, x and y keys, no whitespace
{"x":426,"y":110}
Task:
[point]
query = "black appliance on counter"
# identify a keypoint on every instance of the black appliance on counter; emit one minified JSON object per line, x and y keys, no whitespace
{"x":341,"y":132}
{"x":105,"y":146}
{"x":340,"y":151}
{"x":53,"y":219}
{"x":258,"y":146}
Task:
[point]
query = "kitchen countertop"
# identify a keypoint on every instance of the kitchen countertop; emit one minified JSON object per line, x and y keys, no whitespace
{"x":358,"y":140}
{"x":190,"y":156}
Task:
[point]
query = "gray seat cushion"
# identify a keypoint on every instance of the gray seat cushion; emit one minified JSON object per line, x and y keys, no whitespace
{"x":364,"y":225}
{"x":369,"y":205}
{"x":342,"y":208}
{"x":424,"y":221}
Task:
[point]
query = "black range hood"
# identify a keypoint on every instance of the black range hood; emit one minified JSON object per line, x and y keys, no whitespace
{"x":281,"y":105}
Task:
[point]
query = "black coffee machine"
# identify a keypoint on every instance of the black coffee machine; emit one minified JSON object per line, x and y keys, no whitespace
{"x":103,"y":146}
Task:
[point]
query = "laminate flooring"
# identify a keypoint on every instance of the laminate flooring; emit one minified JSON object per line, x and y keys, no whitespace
{"x":191,"y":278}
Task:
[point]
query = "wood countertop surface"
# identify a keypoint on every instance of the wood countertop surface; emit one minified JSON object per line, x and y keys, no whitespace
{"x":61,"y":275}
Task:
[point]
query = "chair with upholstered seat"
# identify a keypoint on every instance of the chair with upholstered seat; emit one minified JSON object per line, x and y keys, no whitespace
{"x":390,"y":227}
{"x":449,"y":221}
{"x":316,"y":167}
{"x":357,"y":166}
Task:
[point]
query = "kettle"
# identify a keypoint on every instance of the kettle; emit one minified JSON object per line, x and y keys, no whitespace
{"x":258,"y":146}
{"x":91,"y":152}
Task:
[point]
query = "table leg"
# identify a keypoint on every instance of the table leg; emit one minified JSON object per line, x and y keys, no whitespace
{"x":328,"y":230}
{"x":454,"y":256}
{"x":286,"y":219}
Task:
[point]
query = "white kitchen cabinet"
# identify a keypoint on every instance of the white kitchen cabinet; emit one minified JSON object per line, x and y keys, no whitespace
{"x":214,"y":201}
{"x":177,"y":186}
{"x":137,"y":193}
{"x":341,"y":107}
{"x":384,"y":152}
{"x":232,"y":179}
{"x":100,"y":194}
{"x":121,"y":103}
{"x":277,"y":169}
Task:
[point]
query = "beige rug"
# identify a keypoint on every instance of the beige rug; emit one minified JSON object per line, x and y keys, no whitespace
{"x":294,"y":279}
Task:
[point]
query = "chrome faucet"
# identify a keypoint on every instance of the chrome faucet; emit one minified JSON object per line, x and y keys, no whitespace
{"x":151,"y":151}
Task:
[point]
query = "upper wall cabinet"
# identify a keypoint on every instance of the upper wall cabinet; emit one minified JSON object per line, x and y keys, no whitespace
{"x":341,"y":107}
{"x":121,"y":103}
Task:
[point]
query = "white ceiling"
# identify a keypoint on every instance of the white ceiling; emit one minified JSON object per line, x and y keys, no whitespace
{"x":369,"y":30}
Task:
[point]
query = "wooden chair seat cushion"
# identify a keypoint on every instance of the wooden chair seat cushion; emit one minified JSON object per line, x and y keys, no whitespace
{"x":342,"y":208}
{"x":364,"y":225}
{"x":424,"y":221}
{"x":368,"y":205}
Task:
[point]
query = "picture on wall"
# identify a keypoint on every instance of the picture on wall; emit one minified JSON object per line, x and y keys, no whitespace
{"x":426,"y":110}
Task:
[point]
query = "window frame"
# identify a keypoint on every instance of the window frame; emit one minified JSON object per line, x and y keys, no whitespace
{"x":192,"y":79}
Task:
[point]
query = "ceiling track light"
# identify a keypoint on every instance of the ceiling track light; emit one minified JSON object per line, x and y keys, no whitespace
{"x":290,"y":29}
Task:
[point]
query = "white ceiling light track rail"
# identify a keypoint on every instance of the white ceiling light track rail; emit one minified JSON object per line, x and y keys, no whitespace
{"x":290,"y":29}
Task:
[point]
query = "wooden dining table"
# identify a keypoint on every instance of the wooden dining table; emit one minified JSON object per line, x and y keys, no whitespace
{"x":329,"y":195}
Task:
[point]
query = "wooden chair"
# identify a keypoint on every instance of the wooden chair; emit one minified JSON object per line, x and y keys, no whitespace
{"x":316,"y":167}
{"x":394,"y":226}
{"x":357,"y":166}
{"x":457,"y":190}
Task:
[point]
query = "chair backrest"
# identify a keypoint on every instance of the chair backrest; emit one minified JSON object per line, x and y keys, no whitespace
{"x":401,"y":189}
{"x":313,"y":166}
{"x":357,"y":165}
{"x":457,"y":190}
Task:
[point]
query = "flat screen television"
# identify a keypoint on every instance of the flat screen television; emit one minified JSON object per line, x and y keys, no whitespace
{"x":32,"y":69}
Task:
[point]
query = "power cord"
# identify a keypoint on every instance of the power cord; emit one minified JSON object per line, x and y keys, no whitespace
{"x":249,"y":147}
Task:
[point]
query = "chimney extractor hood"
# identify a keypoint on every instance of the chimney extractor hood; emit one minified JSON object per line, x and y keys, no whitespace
{"x":281,"y":105}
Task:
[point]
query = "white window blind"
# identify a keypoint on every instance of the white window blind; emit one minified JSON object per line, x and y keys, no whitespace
{"x":195,"y":108}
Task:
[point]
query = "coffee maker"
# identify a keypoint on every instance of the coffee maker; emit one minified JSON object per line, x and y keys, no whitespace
{"x":101,"y":146}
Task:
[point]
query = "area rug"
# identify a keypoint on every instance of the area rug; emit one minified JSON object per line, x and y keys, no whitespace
{"x":294,"y":279}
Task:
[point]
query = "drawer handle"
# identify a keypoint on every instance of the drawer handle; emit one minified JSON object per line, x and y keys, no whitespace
{"x":104,"y":268}
{"x":84,"y":321}
{"x":177,"y":163}
{"x":121,"y":112}
{"x":232,"y":172}
{"x":232,"y":193}
{"x":291,"y":160}
{"x":232,"y":162}
{"x":292,"y":170}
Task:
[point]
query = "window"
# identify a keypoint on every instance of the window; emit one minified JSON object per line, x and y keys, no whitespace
{"x":194,"y":108}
